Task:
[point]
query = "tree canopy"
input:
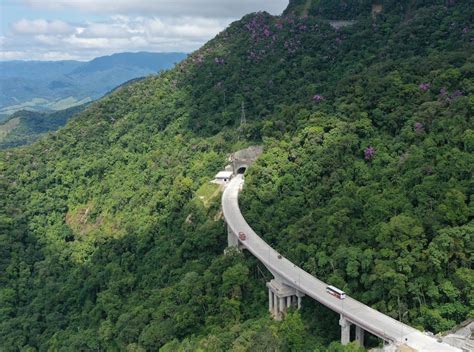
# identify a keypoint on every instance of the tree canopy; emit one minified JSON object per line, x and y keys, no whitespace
{"x":112,"y":239}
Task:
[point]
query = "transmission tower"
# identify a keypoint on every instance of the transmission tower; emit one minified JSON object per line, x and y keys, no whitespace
{"x":243,"y":119}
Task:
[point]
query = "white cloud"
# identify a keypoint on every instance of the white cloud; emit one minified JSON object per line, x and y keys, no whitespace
{"x":12,"y":55}
{"x":56,"y":55}
{"x":175,"y":28}
{"x":115,"y":34}
{"x":92,"y":43}
{"x":107,"y":30}
{"x":41,"y":26}
{"x":140,"y":25}
{"x":202,"y":8}
{"x":49,"y":40}
{"x":185,"y":27}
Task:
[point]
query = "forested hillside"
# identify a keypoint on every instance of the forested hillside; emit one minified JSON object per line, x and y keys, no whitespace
{"x":25,"y":127}
{"x":112,"y":239}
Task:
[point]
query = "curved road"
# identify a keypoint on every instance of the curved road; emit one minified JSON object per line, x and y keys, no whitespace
{"x":354,"y":311}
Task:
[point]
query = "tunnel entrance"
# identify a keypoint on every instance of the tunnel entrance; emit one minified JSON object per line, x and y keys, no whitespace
{"x":241,"y":170}
{"x":242,"y":159}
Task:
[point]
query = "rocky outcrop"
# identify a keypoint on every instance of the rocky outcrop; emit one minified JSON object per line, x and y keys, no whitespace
{"x":242,"y":159}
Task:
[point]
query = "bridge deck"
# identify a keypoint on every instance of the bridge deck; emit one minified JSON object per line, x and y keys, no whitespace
{"x":356,"y":312}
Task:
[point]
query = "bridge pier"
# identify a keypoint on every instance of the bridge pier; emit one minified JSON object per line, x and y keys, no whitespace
{"x":232,"y":240}
{"x":299,"y":297}
{"x":270,"y":300}
{"x":345,"y":330}
{"x":359,"y":335}
{"x":281,"y":297}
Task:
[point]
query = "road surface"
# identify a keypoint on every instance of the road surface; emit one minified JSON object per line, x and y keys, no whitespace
{"x":354,"y":311}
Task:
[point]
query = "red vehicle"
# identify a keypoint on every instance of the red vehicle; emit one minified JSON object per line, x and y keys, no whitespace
{"x":242,"y":236}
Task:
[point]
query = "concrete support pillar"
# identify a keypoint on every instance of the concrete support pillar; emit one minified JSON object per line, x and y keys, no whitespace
{"x":281,"y":297}
{"x":359,"y":336}
{"x":232,"y":240}
{"x":345,"y":330}
{"x":281,"y":305}
{"x":270,"y":300}
{"x":275,"y":306}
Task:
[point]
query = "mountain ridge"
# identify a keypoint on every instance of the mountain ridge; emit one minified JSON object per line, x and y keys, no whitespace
{"x":42,"y":85}
{"x":31,"y":125}
{"x":365,"y":181}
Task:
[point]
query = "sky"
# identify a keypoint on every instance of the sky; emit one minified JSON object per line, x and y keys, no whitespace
{"x":84,"y":29}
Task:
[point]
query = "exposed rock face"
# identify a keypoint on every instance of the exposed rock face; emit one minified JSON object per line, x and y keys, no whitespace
{"x":242,"y":159}
{"x":462,"y":336}
{"x":340,"y":24}
{"x":376,"y":9}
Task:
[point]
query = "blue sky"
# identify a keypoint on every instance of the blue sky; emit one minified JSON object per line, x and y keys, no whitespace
{"x":84,"y":29}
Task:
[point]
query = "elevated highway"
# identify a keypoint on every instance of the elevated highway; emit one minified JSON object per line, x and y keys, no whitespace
{"x":290,"y":283}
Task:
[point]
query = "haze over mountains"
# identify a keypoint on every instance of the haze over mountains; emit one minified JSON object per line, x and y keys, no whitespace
{"x":55,"y":85}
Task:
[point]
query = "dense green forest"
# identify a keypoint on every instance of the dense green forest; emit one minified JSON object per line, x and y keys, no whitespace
{"x":112,"y":239}
{"x":25,"y":127}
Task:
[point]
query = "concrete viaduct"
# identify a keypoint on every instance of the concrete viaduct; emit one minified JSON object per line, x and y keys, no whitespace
{"x":291,"y":283}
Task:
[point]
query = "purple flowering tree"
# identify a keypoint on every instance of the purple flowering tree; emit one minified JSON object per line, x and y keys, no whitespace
{"x":424,"y":86}
{"x":443,"y":92}
{"x":456,"y":94}
{"x":369,"y":153}
{"x":448,"y":98}
{"x":419,"y":128}
{"x":318,"y":98}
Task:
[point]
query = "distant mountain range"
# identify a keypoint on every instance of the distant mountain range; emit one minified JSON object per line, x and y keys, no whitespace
{"x":55,"y":85}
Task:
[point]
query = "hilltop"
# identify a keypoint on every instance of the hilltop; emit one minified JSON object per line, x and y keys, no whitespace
{"x":365,"y":181}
